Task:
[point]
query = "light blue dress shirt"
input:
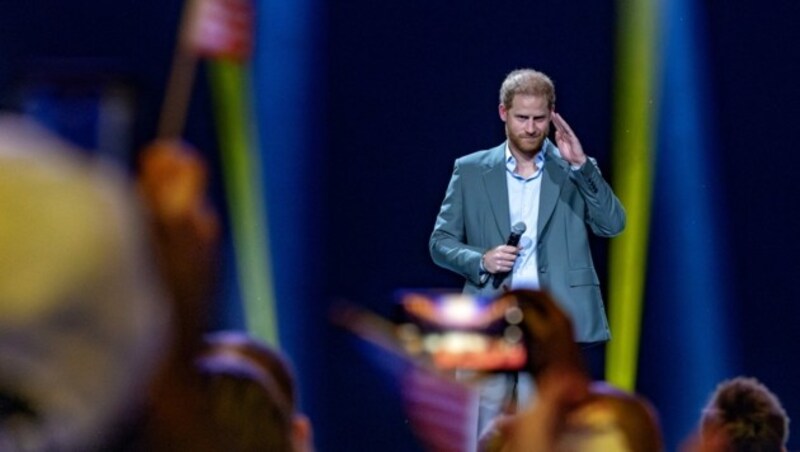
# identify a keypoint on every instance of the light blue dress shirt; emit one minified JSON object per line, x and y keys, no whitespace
{"x":523,"y":205}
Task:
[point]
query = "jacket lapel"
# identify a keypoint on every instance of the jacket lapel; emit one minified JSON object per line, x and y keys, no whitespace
{"x":553,"y":177}
{"x":494,"y":180}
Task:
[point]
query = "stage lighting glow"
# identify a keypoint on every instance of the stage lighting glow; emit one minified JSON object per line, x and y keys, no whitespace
{"x":459,"y":310}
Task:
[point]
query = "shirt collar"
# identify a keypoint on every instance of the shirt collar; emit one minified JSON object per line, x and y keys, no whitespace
{"x":511,"y":161}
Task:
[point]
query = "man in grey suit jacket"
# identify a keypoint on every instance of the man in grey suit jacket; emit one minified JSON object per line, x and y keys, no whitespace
{"x":555,"y":189}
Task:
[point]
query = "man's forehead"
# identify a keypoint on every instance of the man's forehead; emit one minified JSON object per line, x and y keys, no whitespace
{"x":530,"y":103}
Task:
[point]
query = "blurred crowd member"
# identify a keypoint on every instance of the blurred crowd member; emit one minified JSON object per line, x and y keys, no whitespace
{"x":252,"y":395}
{"x":743,"y":415}
{"x":570,"y":413}
{"x":172,"y":182}
{"x":82,"y":313}
{"x":611,"y":420}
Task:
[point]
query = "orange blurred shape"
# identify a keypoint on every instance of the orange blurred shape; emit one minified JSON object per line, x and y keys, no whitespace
{"x":173,"y":178}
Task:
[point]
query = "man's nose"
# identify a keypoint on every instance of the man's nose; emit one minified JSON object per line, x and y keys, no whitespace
{"x":529,"y":126}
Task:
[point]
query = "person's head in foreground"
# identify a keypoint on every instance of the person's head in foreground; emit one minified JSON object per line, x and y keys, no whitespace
{"x":82,"y":313}
{"x":570,"y":412}
{"x":252,"y":395}
{"x":743,"y":415}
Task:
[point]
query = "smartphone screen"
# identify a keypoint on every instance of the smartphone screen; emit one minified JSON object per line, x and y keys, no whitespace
{"x":458,"y":331}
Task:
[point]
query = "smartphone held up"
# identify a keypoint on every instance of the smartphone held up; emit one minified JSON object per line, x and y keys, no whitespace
{"x":461,"y":331}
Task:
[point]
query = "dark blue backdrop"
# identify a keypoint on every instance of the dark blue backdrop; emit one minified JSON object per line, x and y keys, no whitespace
{"x":361,"y":129}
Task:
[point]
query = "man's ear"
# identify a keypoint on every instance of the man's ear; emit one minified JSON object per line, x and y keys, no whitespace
{"x":503,"y":112}
{"x":302,"y":434}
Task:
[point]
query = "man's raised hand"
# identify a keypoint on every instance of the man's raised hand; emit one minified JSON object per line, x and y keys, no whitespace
{"x":567,"y":142}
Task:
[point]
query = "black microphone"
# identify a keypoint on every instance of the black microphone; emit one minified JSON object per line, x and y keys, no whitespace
{"x":513,"y":240}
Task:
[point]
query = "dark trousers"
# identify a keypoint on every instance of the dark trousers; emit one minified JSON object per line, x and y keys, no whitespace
{"x":594,"y":358}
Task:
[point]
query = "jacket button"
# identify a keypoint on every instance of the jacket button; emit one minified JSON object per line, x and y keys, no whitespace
{"x":543,"y":269}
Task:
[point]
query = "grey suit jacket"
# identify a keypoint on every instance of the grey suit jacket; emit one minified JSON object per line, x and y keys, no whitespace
{"x":474,"y":217}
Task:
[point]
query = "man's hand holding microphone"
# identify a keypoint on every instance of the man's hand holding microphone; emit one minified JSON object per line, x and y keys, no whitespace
{"x":500,"y":260}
